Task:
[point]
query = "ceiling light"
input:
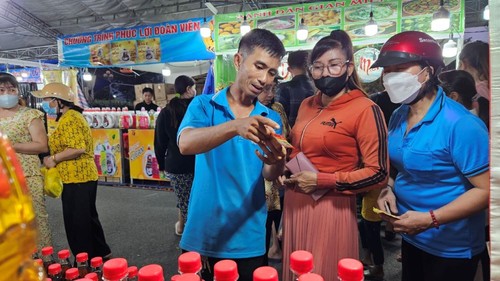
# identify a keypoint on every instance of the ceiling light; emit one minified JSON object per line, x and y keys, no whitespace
{"x":87,"y":76}
{"x":450,"y":49}
{"x":166,"y":71}
{"x":205,"y":29}
{"x":245,"y":27}
{"x":19,"y":79}
{"x":371,"y":27}
{"x":440,"y":19}
{"x":24,"y":74}
{"x":302,"y":32}
{"x":486,"y":12}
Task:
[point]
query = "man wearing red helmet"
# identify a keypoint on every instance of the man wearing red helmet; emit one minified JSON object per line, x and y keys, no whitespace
{"x":443,"y":174}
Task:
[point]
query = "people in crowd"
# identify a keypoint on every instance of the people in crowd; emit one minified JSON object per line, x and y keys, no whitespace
{"x":148,"y":96}
{"x":72,"y":153}
{"x":26,"y":131}
{"x":440,"y":151}
{"x":177,"y":167}
{"x":343,"y":134}
{"x":475,"y":59}
{"x":274,"y":192}
{"x":232,"y":136}
{"x":459,"y":85}
{"x":291,"y":94}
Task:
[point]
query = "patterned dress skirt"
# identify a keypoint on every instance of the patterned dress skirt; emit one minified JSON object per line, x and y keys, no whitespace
{"x":327,"y":228}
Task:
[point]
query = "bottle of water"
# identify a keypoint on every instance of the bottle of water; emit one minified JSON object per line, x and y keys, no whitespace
{"x":350,"y":270}
{"x":301,"y":262}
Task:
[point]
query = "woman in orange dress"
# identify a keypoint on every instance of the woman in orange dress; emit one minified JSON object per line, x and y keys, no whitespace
{"x":343,"y":133}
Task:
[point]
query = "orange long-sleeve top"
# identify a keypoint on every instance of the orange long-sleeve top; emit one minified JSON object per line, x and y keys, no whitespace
{"x":345,"y":140}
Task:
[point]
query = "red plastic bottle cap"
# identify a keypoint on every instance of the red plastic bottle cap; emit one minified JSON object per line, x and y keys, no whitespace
{"x":175,"y":277}
{"x":92,"y":276}
{"x":188,"y":277}
{"x":350,"y":270}
{"x":54,"y":269}
{"x":48,"y":279}
{"x":132,"y":271}
{"x":96,"y":262}
{"x":189,"y":262}
{"x":39,"y":262}
{"x":63,"y":254}
{"x":301,"y":262}
{"x":47,"y":251}
{"x":225,"y":270}
{"x":151,"y":272}
{"x":83,"y":279}
{"x":72,"y":273}
{"x":265,"y":273}
{"x":311,"y":277}
{"x":115,"y":269}
{"x":82,"y":257}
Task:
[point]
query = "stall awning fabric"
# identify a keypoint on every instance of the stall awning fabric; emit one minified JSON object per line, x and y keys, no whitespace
{"x":173,"y":41}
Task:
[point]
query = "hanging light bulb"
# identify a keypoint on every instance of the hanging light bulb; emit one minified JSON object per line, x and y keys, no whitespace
{"x":440,"y":19}
{"x":86,"y":75}
{"x":302,"y":32}
{"x":371,"y":27}
{"x":486,"y":12}
{"x":166,"y":71}
{"x":205,"y":29}
{"x":450,"y":48}
{"x":244,"y":27}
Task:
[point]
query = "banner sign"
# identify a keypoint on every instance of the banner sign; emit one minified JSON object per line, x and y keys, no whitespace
{"x":173,"y":41}
{"x":107,"y":152}
{"x":143,"y":162}
{"x":392,"y":17}
{"x":27,"y":75}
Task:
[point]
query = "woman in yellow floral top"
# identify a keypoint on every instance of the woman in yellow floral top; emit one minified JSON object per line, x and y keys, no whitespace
{"x":26,"y":131}
{"x":72,"y":153}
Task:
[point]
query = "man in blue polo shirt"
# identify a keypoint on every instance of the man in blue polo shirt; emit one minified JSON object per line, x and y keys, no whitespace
{"x":231,"y":134}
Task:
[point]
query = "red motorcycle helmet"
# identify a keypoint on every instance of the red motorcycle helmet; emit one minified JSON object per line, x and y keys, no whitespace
{"x":410,"y":46}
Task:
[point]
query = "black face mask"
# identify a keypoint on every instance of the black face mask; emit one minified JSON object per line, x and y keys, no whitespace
{"x":331,"y":86}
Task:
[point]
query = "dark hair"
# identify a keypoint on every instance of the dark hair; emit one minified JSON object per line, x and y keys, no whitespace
{"x":69,"y":104}
{"x":459,"y":81}
{"x":148,"y":90}
{"x":477,"y":55}
{"x":298,"y":59}
{"x":182,"y":82}
{"x":264,"y":39}
{"x":8,"y":78}
{"x":338,"y":39}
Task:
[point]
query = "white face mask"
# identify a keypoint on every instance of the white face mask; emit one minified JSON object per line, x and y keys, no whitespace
{"x":402,"y":87}
{"x":8,"y":101}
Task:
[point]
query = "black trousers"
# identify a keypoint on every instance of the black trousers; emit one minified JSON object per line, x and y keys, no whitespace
{"x":422,"y":266}
{"x":369,"y":234}
{"x":81,"y":221}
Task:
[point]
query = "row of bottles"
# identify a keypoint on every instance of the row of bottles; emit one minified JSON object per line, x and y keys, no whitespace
{"x":108,"y":118}
{"x":189,"y":268}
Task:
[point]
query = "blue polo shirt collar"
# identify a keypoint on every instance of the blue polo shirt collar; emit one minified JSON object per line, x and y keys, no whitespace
{"x":220,"y":99}
{"x":433,"y":111}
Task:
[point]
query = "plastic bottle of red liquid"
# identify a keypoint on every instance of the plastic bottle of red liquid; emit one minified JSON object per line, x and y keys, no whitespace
{"x":350,"y":270}
{"x":155,"y":167}
{"x":82,"y":263}
{"x":189,"y":262}
{"x":93,"y":276}
{"x":265,"y":273}
{"x":63,"y":256}
{"x":47,"y":257}
{"x":225,"y":270}
{"x":96,"y":266}
{"x":301,"y":262}
{"x":71,"y":274}
{"x":311,"y":277}
{"x":115,"y":270}
{"x":151,"y":272}
{"x":132,"y":273}
{"x":55,"y":272}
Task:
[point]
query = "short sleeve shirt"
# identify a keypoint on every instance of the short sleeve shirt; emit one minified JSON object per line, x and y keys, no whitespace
{"x":227,"y":207}
{"x":74,"y":132}
{"x":434,"y":160}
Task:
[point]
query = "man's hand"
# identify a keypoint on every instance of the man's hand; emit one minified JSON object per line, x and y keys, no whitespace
{"x":274,"y":152}
{"x":256,"y":128}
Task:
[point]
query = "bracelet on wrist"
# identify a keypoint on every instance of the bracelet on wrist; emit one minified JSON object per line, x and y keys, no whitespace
{"x":435,"y":222}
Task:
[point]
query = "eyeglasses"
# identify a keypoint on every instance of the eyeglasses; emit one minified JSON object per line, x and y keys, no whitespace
{"x":10,"y":90}
{"x":317,"y":69}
